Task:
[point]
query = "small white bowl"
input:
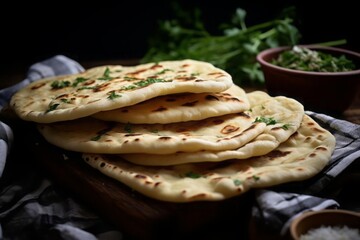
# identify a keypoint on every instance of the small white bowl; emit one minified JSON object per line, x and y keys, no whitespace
{"x":324,"y":218}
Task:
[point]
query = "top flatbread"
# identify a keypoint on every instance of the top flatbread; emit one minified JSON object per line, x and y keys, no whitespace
{"x":181,"y":107}
{"x":109,"y":87}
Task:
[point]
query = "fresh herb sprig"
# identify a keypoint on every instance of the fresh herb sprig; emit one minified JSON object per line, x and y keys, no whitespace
{"x":144,"y":83}
{"x":234,"y":51}
{"x":106,"y":75}
{"x":266,"y":120}
{"x":271,"y":121}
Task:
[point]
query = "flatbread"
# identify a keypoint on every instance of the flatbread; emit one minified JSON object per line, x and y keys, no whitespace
{"x":286,"y":112}
{"x":181,"y":107}
{"x":301,"y":157}
{"x":109,"y":87}
{"x":97,"y":136}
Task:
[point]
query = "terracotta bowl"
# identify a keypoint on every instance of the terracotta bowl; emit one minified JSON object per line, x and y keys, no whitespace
{"x":328,"y":217}
{"x":326,"y":92}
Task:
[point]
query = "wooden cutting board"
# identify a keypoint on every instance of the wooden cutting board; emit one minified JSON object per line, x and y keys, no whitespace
{"x":135,"y":215}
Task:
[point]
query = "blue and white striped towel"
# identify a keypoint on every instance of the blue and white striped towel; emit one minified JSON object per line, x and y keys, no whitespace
{"x":30,"y":206}
{"x":276,"y":210}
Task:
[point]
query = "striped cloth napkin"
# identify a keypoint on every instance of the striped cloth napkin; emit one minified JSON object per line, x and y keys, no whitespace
{"x":30,"y":206}
{"x":275,"y":209}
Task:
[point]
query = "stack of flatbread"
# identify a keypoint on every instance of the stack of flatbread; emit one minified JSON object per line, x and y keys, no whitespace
{"x":177,"y":131}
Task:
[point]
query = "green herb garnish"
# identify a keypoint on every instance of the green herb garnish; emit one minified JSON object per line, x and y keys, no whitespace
{"x":78,"y":80}
{"x":106,"y":75}
{"x":60,"y":84}
{"x":286,"y":126}
{"x":52,"y":107}
{"x":305,"y":59}
{"x":267,"y":121}
{"x":237,"y":182}
{"x":195,"y":74}
{"x":130,"y":87}
{"x":256,"y":178}
{"x":149,"y":81}
{"x":113,"y":95}
{"x":87,"y":87}
{"x":192,"y":175}
{"x":164,"y":71}
{"x":271,"y":121}
{"x":96,"y":138}
{"x":101,"y":133}
{"x":64,"y":100}
{"x":144,"y":83}
{"x":130,"y":78}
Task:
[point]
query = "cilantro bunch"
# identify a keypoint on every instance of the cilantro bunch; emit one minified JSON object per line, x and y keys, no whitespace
{"x":234,"y":50}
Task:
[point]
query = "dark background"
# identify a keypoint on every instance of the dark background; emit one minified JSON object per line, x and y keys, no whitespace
{"x":32,"y":32}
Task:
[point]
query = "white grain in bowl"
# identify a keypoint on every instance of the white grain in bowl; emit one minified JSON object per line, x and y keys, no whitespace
{"x":331,"y":232}
{"x":326,"y":220}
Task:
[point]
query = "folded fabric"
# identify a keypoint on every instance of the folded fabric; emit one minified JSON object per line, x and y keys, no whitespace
{"x":275,"y":210}
{"x":30,"y":206}
{"x":6,"y":138}
{"x":57,"y":65}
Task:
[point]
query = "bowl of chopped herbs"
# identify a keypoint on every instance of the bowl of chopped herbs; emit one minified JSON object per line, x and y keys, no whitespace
{"x":323,"y":78}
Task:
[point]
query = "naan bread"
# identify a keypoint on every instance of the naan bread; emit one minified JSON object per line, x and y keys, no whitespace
{"x":286,"y":112}
{"x":96,"y":136}
{"x":181,"y":107}
{"x":302,"y":156}
{"x":109,"y":87}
